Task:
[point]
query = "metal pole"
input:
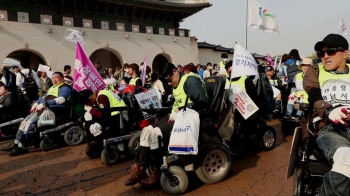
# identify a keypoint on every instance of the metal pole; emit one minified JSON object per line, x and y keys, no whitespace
{"x":60,"y":49}
{"x":246,"y":28}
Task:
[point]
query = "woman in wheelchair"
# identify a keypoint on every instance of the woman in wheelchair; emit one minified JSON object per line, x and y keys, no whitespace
{"x":97,"y":121}
{"x":185,"y":86}
{"x":297,"y":91}
{"x":327,"y":85}
{"x":56,"y":96}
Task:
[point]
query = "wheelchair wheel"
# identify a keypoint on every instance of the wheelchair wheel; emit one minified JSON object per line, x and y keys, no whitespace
{"x":134,"y":144}
{"x":298,"y":182}
{"x":181,"y":181}
{"x":46,"y":144}
{"x":268,"y":139}
{"x":215,"y":166}
{"x":74,"y":136}
{"x":111,"y":156}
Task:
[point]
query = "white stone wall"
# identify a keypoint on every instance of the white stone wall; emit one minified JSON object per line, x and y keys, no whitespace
{"x":35,"y":38}
{"x":209,"y":55}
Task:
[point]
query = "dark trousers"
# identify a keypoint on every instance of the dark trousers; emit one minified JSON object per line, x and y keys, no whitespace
{"x":147,"y":157}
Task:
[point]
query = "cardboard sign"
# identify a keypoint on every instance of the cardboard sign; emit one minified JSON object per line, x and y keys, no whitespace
{"x":145,"y":100}
{"x":243,"y":103}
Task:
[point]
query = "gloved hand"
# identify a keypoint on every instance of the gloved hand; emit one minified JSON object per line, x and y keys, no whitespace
{"x":339,"y":115}
{"x":40,"y":107}
{"x":292,"y":96}
{"x":87,"y":108}
{"x":33,"y":109}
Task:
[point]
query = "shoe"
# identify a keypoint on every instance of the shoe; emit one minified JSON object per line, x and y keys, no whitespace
{"x":286,"y":117}
{"x":90,"y":146}
{"x":297,"y":118}
{"x":276,"y":111}
{"x":137,"y":173}
{"x":9,"y":147}
{"x":18,"y":151}
{"x":153,"y":179}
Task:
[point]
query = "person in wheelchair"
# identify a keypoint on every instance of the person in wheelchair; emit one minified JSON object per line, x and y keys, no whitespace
{"x":327,"y":85}
{"x":297,"y":92}
{"x":56,"y":97}
{"x":97,"y":121}
{"x":274,"y":108}
{"x":185,"y":86}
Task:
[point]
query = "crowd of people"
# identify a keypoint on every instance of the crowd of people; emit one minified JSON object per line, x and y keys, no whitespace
{"x":276,"y":91}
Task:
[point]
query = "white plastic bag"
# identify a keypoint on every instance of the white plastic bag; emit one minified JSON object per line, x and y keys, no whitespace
{"x":47,"y":118}
{"x":184,"y":136}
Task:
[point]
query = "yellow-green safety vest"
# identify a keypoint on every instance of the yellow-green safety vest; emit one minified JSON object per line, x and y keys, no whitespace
{"x":133,"y":81}
{"x":179,"y":92}
{"x":299,"y":87}
{"x":53,"y":90}
{"x":273,"y":82}
{"x":114,"y":100}
{"x":236,"y":85}
{"x":335,"y":88}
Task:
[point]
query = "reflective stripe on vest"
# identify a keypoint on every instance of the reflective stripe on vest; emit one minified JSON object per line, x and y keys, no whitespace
{"x":334,"y":87}
{"x":53,"y":90}
{"x":133,"y":81}
{"x":114,"y":100}
{"x":300,"y":89}
{"x":179,"y":92}
{"x":273,"y":82}
{"x":236,"y":85}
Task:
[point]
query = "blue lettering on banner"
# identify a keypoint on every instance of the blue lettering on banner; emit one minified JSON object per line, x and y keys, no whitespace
{"x":182,"y":129}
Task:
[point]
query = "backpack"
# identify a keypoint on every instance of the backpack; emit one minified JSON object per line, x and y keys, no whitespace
{"x":29,"y":83}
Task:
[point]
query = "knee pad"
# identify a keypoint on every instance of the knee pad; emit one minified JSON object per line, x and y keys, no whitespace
{"x":95,"y":129}
{"x":341,"y":159}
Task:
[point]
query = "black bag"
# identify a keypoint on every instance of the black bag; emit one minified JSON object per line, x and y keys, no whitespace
{"x":29,"y":83}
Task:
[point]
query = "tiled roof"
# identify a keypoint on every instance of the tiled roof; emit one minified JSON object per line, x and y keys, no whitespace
{"x":215,"y":47}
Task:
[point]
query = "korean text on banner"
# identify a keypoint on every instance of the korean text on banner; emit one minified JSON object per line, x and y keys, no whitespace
{"x":260,"y":18}
{"x":85,"y":74}
{"x":75,"y":36}
{"x":147,"y":99}
{"x":243,"y":64}
{"x":243,"y":103}
{"x":43,"y":68}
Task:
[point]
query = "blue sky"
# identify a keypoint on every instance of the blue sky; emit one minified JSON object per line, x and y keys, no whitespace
{"x":303,"y":23}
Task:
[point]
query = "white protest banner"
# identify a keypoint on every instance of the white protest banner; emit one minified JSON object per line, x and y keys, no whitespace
{"x":43,"y":68}
{"x":260,"y":18}
{"x":275,"y":91}
{"x":243,"y":64}
{"x":243,"y":103}
{"x":49,"y":74}
{"x":75,"y":36}
{"x":147,"y":99}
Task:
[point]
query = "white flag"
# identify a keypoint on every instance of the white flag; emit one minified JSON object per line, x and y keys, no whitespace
{"x":75,"y":36}
{"x":260,"y":18}
{"x":243,"y":64}
{"x":342,"y":27}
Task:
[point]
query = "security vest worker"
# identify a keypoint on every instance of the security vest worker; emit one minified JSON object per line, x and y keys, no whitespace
{"x":297,"y":91}
{"x":56,"y":96}
{"x":188,"y":85}
{"x":105,"y":100}
{"x":222,"y":70}
{"x":134,"y":72}
{"x":328,"y":86}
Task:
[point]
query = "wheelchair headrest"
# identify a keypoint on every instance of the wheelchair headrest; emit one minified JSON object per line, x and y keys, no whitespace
{"x":215,"y":86}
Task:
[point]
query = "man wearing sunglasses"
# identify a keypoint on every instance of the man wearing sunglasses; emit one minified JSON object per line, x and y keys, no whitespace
{"x":328,"y":87}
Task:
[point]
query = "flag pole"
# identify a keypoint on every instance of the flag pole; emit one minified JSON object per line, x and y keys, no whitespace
{"x":59,"y":50}
{"x":246,"y":28}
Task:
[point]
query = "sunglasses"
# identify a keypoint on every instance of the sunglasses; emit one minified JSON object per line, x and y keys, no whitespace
{"x":329,"y":51}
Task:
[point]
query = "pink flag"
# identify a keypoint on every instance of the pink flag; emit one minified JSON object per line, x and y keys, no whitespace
{"x":85,"y":74}
{"x":269,"y":59}
{"x":143,"y":74}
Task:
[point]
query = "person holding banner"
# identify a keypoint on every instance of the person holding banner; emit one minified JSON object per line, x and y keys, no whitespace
{"x":275,"y":104}
{"x":134,"y":72}
{"x":185,"y":86}
{"x":98,"y":120}
{"x":56,"y":96}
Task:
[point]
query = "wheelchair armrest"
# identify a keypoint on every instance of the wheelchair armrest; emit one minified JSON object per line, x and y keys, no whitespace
{"x":304,"y":106}
{"x":117,"y":109}
{"x":152,"y":110}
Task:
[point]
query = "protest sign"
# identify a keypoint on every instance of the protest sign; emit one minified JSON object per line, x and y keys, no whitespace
{"x":243,"y":64}
{"x":85,"y":74}
{"x":43,"y":68}
{"x":243,"y":103}
{"x":75,"y":36}
{"x":147,"y":99}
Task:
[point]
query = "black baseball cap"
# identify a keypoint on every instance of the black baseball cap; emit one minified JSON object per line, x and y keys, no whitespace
{"x":332,"y":41}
